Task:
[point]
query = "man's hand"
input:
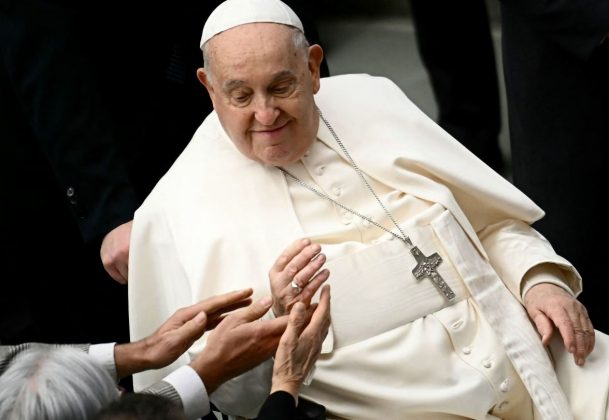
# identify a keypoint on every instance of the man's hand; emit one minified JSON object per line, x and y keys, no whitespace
{"x":300,"y":345}
{"x":239,"y":343}
{"x":177,"y":334}
{"x":549,"y":305}
{"x":298,"y":264}
{"x":114,"y":252}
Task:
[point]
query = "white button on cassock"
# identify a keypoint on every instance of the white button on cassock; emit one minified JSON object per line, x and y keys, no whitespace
{"x":487,"y":363}
{"x":505,"y":386}
{"x":320,"y":170}
{"x":466,"y":350}
{"x":457,"y":324}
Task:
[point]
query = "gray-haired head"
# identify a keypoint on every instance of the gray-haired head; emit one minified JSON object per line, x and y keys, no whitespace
{"x":54,"y":383}
{"x":133,"y":406}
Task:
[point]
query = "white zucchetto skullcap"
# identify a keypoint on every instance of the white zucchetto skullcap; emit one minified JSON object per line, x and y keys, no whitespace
{"x":233,"y":13}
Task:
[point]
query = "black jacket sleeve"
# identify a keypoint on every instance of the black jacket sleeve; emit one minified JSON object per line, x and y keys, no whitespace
{"x":279,"y":405}
{"x":577,"y":26}
{"x":50,"y":64}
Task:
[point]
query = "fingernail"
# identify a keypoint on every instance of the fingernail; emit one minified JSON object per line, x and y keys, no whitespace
{"x":580,"y":362}
{"x":266,"y":301}
{"x":306,"y":241}
{"x":200,"y":318}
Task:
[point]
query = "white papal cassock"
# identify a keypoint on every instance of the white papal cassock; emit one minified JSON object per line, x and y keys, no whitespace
{"x":397,"y":349}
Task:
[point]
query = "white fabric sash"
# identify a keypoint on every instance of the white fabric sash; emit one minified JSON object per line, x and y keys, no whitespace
{"x":508,"y":319}
{"x":383,"y":273}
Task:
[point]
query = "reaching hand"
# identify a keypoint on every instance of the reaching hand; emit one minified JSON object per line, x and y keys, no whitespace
{"x":177,"y":334}
{"x":293,"y":276}
{"x":239,"y":343}
{"x":300,"y":345}
{"x":114,"y":252}
{"x":549,"y":305}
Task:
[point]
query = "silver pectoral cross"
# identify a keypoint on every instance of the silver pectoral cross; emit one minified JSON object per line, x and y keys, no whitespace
{"x":426,"y":267}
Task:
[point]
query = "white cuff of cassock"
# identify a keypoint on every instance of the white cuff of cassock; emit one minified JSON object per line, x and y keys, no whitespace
{"x":545,"y":273}
{"x":104,"y":355}
{"x":192,"y":391}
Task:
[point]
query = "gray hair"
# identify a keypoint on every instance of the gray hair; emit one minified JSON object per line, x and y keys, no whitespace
{"x":298,"y":39}
{"x":54,"y":383}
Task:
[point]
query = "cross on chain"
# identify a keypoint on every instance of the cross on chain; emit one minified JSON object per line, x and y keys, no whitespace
{"x":426,"y":267}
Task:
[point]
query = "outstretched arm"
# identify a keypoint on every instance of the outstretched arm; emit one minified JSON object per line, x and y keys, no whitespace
{"x":177,"y":334}
{"x":238,"y":344}
{"x":296,"y":264}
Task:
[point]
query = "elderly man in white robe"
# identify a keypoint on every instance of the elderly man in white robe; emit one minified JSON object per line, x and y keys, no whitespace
{"x":433,"y":264}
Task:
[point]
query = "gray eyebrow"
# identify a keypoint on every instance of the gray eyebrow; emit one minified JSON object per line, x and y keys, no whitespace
{"x":232,"y":84}
{"x":235,"y":83}
{"x":282,"y":74}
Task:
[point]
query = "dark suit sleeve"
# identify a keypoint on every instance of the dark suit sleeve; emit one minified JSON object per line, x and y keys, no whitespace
{"x":165,"y":389}
{"x":578,"y":26}
{"x":50,"y":63}
{"x":279,"y":405}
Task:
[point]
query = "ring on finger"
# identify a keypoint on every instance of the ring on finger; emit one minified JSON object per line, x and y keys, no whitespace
{"x":295,"y":287}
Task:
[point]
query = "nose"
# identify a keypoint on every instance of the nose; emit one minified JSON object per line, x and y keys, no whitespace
{"x":265,"y":111}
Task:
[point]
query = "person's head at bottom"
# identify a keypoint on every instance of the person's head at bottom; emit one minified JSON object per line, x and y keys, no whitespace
{"x":54,"y":383}
{"x":141,"y":407}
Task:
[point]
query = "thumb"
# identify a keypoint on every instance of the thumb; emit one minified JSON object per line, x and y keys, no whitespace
{"x":257,"y":309}
{"x":194,"y":328}
{"x":544,"y":327}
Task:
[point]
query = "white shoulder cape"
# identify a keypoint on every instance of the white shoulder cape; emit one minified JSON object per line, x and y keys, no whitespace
{"x":217,"y":220}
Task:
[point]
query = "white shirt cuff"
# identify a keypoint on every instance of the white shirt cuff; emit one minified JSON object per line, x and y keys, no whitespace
{"x":192,"y":391}
{"x":545,"y":273}
{"x":104,"y":355}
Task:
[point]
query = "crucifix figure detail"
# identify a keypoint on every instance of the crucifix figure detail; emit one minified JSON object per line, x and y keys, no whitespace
{"x":427,"y":267}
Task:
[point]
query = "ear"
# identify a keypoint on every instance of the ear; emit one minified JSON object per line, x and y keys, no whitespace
{"x":316,"y":54}
{"x":205,"y":81}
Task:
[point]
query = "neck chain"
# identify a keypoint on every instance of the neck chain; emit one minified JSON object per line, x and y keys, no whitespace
{"x":426,"y":265}
{"x":402,"y":236}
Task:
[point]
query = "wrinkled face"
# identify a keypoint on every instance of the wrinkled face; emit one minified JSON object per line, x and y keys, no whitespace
{"x":262,"y":89}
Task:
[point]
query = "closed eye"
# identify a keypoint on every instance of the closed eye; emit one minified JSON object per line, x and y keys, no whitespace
{"x":283,"y":89}
{"x":240,"y":98}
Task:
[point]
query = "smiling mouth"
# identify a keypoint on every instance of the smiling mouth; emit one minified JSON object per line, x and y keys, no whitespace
{"x":271,"y":130}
